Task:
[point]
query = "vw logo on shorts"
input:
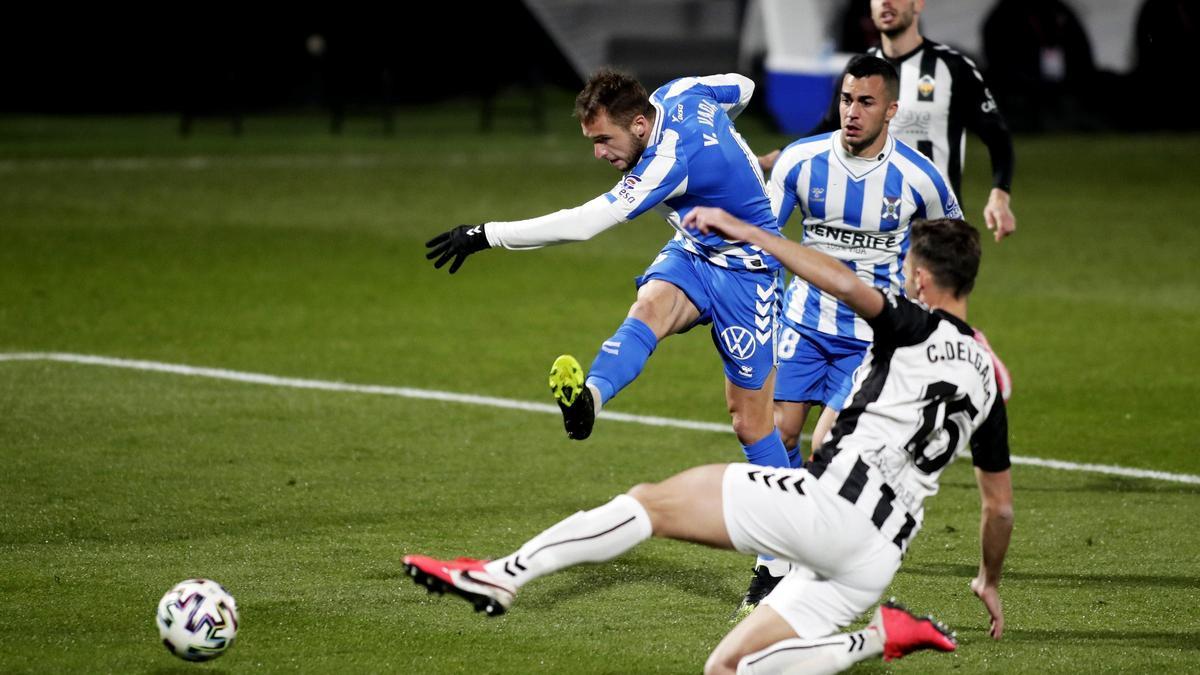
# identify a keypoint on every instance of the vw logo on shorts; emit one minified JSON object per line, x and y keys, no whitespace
{"x":739,"y":342}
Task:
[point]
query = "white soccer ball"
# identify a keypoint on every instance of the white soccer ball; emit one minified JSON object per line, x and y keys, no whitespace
{"x":197,"y":620}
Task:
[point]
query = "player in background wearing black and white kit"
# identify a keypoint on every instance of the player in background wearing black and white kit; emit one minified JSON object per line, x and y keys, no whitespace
{"x":942,"y":93}
{"x":924,"y":392}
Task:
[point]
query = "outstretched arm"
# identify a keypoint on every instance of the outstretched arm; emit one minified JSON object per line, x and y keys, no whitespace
{"x":818,"y":269}
{"x":577,"y":224}
{"x":995,"y":531}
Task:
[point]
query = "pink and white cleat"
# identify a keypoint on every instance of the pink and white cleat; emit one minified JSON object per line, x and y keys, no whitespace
{"x":466,"y":578}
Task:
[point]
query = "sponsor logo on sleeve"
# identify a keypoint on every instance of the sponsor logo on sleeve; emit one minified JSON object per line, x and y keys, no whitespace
{"x":628,"y":186}
{"x":952,"y":209}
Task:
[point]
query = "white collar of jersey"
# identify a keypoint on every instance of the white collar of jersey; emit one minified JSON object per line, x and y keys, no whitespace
{"x":857,"y":166}
{"x":658,"y":122}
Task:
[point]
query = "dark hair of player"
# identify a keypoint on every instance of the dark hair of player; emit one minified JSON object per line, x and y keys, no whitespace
{"x":864,"y":65}
{"x":949,"y":249}
{"x":617,"y":94}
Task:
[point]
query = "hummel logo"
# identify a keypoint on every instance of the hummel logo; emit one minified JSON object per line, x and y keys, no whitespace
{"x":474,"y":230}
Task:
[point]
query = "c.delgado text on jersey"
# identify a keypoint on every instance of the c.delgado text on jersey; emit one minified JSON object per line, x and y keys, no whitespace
{"x":966,"y":350}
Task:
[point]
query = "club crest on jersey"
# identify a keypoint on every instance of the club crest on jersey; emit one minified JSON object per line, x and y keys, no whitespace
{"x":739,"y":342}
{"x":891,"y":208}
{"x":816,"y":195}
{"x":925,"y":87}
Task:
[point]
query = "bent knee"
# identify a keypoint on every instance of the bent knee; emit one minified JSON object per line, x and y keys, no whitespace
{"x":751,"y":429}
{"x":641,"y":492}
{"x":646,"y":495}
{"x":720,"y":663}
{"x":790,"y":433}
{"x":791,"y":425}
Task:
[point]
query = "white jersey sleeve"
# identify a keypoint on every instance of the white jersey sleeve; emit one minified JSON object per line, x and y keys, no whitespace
{"x":577,"y":224}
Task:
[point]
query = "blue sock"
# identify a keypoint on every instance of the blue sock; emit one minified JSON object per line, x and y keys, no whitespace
{"x":622,"y":358}
{"x":795,"y":457}
{"x":768,"y":451}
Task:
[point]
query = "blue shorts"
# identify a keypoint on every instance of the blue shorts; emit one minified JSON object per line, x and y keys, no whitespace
{"x":815,"y":367}
{"x":741,"y":305}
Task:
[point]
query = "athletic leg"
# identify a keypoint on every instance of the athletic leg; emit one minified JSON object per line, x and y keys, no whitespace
{"x":893,"y":632}
{"x":664,"y":306}
{"x":687,"y":506}
{"x":661,"y":309}
{"x":845,"y":356}
{"x":803,"y":366}
{"x":824,"y":425}
{"x":790,"y":417}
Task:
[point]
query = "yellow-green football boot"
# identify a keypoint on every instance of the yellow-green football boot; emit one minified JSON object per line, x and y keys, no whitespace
{"x":573,"y":397}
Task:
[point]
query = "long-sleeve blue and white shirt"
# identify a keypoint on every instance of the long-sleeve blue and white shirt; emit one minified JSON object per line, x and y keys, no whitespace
{"x":693,"y":157}
{"x":857,"y":210}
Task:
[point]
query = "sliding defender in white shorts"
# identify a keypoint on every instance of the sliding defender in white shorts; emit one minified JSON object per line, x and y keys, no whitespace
{"x":925,"y":392}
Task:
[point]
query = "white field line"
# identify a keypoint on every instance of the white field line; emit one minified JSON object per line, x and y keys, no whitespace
{"x":511,"y":404}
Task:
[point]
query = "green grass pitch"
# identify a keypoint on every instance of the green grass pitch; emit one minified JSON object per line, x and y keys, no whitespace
{"x":296,"y":254}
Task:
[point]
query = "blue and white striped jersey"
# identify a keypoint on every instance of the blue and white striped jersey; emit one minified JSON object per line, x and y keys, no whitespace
{"x":857,"y":210}
{"x":695,"y":157}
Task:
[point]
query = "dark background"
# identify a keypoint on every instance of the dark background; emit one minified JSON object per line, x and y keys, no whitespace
{"x":220,"y":59}
{"x":101,"y":61}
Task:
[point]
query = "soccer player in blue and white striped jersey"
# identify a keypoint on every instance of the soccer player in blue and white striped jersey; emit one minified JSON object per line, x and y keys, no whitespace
{"x":678,"y":149}
{"x":854,"y":192}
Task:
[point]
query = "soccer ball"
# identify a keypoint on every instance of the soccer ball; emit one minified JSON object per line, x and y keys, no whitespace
{"x":197,"y":620}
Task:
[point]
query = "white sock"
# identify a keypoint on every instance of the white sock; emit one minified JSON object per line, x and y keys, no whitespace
{"x":775,"y":566}
{"x":601,"y":534}
{"x":821,"y":656}
{"x":597,"y":403}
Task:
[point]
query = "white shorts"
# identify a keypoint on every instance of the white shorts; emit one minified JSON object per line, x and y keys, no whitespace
{"x":844,"y":563}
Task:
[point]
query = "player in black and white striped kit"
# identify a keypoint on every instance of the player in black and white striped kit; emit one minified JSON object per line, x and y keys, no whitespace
{"x":925,"y":392}
{"x":942,"y":93}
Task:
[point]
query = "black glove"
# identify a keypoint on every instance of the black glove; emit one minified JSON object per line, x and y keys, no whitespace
{"x":458,"y":243}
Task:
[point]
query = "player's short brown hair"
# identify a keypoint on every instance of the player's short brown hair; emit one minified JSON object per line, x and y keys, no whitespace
{"x":617,"y":94}
{"x":949,"y":249}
